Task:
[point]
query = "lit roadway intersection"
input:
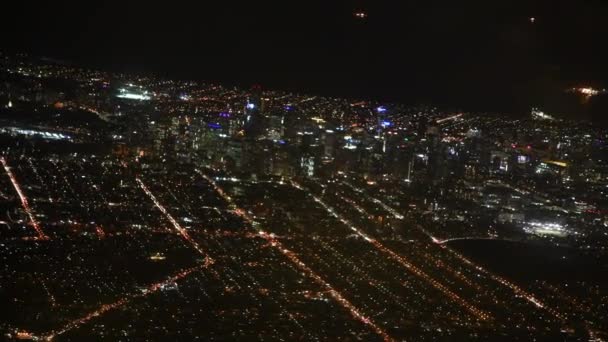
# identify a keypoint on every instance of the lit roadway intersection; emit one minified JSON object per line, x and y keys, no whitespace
{"x":94,"y":249}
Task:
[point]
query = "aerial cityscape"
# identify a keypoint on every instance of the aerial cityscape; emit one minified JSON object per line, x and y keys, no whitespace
{"x":348,"y":171}
{"x":138,"y":207}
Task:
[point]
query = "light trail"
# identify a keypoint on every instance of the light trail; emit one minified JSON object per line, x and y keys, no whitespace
{"x":175,"y":224}
{"x":252,"y":280}
{"x":516,"y":289}
{"x":579,"y":305}
{"x":356,"y":206}
{"x":123,"y":301}
{"x":333,"y":292}
{"x":392,"y":211}
{"x":447,"y":292}
{"x":242,"y":271}
{"x":339,"y":256}
{"x":400,"y":259}
{"x":272,"y":241}
{"x":46,"y":289}
{"x":443,"y":242}
{"x":333,"y":213}
{"x":453,"y":117}
{"x":24,"y":202}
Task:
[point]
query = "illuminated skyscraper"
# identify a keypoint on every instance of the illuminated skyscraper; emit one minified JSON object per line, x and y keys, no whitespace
{"x":382,"y":121}
{"x":254,"y":123}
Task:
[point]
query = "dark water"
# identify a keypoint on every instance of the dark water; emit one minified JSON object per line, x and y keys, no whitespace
{"x":528,"y":262}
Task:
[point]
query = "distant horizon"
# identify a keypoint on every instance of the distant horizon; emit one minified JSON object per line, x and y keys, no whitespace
{"x":499,"y":57}
{"x":592,"y":115}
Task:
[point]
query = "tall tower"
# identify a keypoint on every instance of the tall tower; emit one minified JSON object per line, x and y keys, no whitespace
{"x":253,"y":117}
{"x":383,"y":124}
{"x":381,"y":118}
{"x":436,"y":153}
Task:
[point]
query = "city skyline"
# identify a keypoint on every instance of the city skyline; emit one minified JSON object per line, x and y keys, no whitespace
{"x":304,"y":171}
{"x":140,"y":207}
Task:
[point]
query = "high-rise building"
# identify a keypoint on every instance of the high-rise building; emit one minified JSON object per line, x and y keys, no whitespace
{"x":329,"y":143}
{"x":276,"y":129}
{"x":254,"y":120}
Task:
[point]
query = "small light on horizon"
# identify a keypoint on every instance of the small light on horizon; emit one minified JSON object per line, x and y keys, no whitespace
{"x":360,"y":14}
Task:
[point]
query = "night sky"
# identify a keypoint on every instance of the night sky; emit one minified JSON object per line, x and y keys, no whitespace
{"x":479,"y":55}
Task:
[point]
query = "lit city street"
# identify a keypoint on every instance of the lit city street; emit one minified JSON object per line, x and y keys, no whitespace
{"x":375,"y":188}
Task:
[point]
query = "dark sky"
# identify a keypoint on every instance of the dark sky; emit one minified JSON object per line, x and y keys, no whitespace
{"x":479,"y":54}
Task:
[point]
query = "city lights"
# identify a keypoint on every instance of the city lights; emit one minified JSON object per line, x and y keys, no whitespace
{"x":139,"y":207}
{"x":355,"y":312}
{"x":120,"y":303}
{"x":24,"y":201}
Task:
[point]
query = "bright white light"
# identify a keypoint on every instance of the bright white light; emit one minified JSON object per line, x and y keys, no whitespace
{"x":453,"y":117}
{"x":46,"y":135}
{"x":537,"y":114}
{"x":132,"y":96}
{"x":546,"y":228}
{"x":588,"y":91}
